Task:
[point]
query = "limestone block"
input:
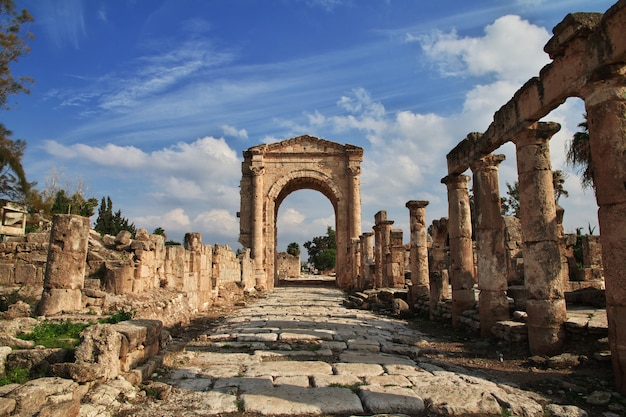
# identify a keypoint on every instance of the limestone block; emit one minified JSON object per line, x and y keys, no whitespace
{"x":100,"y":345}
{"x":7,"y":274}
{"x":26,"y":274}
{"x":31,"y":397}
{"x":7,"y":406}
{"x":54,"y":301}
{"x":123,"y":238}
{"x":118,"y":278}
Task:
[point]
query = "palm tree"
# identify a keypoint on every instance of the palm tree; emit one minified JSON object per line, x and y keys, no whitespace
{"x":579,"y":155}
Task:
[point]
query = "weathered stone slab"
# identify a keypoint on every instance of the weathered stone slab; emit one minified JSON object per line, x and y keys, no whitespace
{"x":285,"y":400}
{"x":289,"y":368}
{"x":406,"y":370}
{"x":388,"y":380}
{"x":379,"y":399}
{"x":257,"y":337}
{"x":227,"y":385}
{"x":296,"y":381}
{"x":336,"y":380}
{"x":358,"y":369}
{"x":380,"y":358}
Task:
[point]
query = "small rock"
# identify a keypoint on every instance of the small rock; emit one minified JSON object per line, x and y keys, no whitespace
{"x":563,"y":361}
{"x":555,"y":410}
{"x":603,"y":356}
{"x":599,"y":398}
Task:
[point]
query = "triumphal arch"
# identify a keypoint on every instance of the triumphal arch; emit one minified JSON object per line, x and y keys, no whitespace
{"x":271,"y":172}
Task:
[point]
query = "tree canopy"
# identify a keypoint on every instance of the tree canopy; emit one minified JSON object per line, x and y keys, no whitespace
{"x":579,"y":155}
{"x":109,"y":223}
{"x":13,"y":44}
{"x":323,"y":250}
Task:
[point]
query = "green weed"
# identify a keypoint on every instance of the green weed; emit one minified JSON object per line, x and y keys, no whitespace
{"x":15,"y":376}
{"x":63,"y":334}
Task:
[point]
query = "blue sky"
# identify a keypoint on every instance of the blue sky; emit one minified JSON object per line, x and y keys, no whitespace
{"x":152,"y":102}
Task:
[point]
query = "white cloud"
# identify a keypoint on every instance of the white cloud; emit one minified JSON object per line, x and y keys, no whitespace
{"x":216,"y":223}
{"x":172,"y":221}
{"x":107,"y":155}
{"x":232,"y":131}
{"x":511,"y":49}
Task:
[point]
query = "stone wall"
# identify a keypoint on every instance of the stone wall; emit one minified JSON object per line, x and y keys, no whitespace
{"x":287,"y":265}
{"x":169,"y":283}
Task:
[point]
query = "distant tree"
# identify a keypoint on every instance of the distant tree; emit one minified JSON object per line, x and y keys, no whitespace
{"x":558,"y":181}
{"x":13,"y":44}
{"x":510,"y":204}
{"x":160,"y":231}
{"x":109,"y":223}
{"x":13,"y":183}
{"x":293,"y":249}
{"x":323,"y":250}
{"x":76,"y":204}
{"x":579,"y":155}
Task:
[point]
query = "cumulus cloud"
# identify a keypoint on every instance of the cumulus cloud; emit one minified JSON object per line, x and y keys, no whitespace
{"x":508,"y":50}
{"x":172,"y":221}
{"x":216,"y":223}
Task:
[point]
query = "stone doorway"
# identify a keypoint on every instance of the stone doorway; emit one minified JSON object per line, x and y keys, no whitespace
{"x":271,"y":172}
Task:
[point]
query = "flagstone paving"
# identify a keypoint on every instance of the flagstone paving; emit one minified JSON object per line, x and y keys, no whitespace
{"x":299,"y":351}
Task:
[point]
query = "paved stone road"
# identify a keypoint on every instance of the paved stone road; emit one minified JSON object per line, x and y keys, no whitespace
{"x":298,"y":351}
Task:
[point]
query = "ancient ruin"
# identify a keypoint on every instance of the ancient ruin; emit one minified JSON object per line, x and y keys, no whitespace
{"x":503,"y":277}
{"x":272,"y":172}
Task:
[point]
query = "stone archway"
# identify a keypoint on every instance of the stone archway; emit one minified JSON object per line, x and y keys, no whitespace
{"x":272,"y":172}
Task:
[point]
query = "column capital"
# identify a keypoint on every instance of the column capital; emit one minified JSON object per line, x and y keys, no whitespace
{"x":535,"y":134}
{"x":454,"y":181}
{"x":489,"y":162}
{"x":256,"y":171}
{"x":354,"y":170}
{"x":416,"y":204}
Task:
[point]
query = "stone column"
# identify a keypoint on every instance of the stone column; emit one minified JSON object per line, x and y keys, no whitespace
{"x":355,"y":256}
{"x":438,"y":277}
{"x":490,"y":250}
{"x":419,"y":250}
{"x":542,"y":266}
{"x":258,"y":247}
{"x":606,"y":118}
{"x":65,"y":266}
{"x":386,"y":252}
{"x":396,"y":265}
{"x":461,"y":252}
{"x":378,"y":248}
{"x":367,"y":258}
{"x":355,"y":201}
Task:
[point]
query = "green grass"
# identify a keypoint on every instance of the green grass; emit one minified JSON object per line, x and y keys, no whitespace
{"x":15,"y":376}
{"x":120,"y":315}
{"x":63,"y":334}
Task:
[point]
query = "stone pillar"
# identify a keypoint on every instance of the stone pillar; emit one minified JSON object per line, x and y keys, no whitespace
{"x":65,"y":266}
{"x":438,"y":276}
{"x":490,"y":250}
{"x":355,"y":256}
{"x":542,"y":266}
{"x":355,"y":201}
{"x":419,"y":250}
{"x":378,"y":248}
{"x":396,"y":264}
{"x":606,"y":118}
{"x":386,"y":252}
{"x":367,"y":258}
{"x":258,"y":248}
{"x":461,"y":252}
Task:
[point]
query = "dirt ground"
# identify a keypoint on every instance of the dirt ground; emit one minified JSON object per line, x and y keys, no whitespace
{"x":564,"y":382}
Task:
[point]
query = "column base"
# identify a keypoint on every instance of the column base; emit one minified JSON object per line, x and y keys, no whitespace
{"x":546,"y":326}
{"x":493,"y":306}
